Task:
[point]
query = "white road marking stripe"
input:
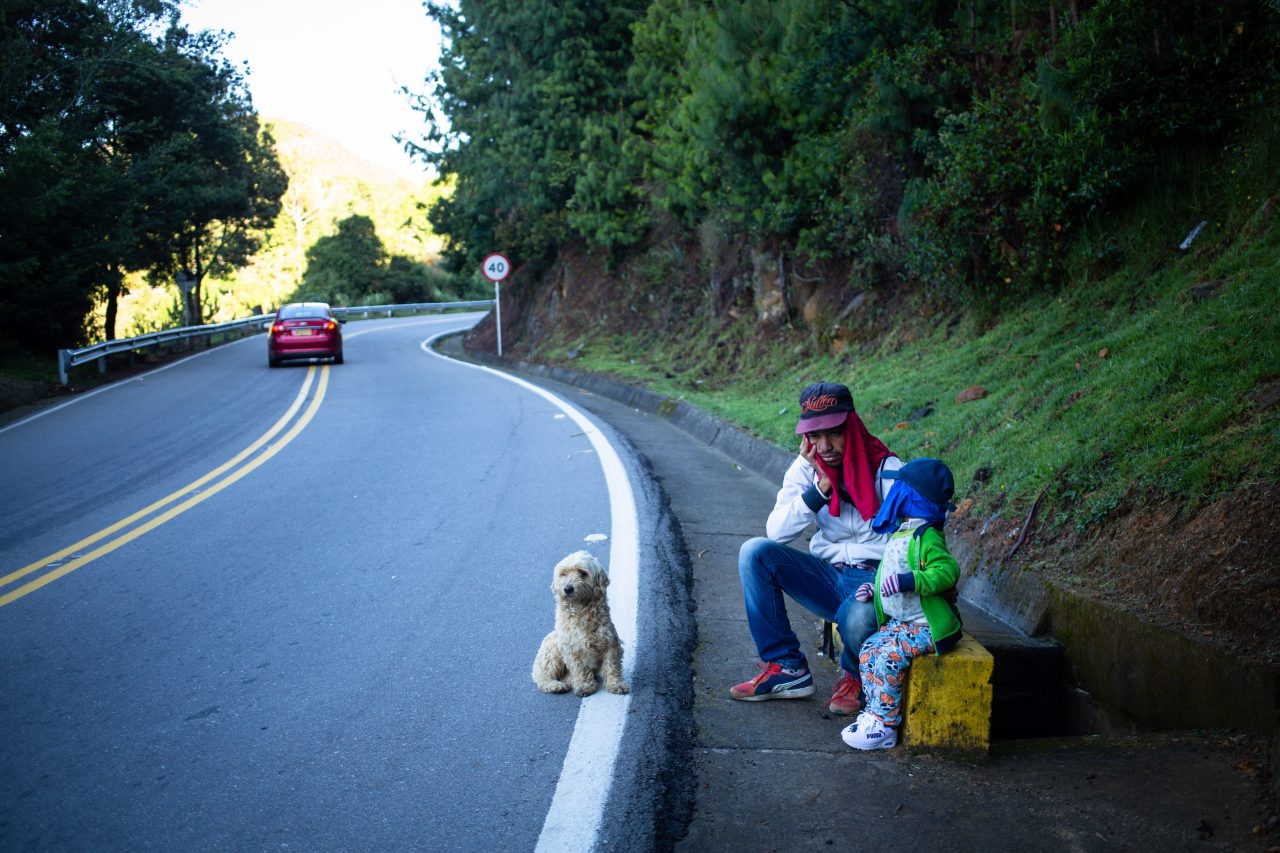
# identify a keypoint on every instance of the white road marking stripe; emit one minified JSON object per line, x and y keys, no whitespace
{"x":577,"y":808}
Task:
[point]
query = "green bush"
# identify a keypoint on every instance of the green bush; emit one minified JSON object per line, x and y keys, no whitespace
{"x":969,"y":145}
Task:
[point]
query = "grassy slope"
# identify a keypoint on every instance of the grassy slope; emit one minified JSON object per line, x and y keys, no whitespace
{"x":1142,"y":400}
{"x":1128,"y":385}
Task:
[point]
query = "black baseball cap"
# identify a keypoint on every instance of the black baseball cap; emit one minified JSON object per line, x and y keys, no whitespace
{"x":823,"y":405}
{"x":930,"y":477}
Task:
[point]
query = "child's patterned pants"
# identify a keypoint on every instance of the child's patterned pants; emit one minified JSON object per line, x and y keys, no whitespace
{"x":883,"y":662}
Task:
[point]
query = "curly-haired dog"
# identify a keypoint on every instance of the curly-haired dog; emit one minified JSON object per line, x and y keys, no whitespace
{"x":584,"y":641}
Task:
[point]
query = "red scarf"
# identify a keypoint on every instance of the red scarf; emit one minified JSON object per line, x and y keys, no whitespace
{"x":863,"y":453}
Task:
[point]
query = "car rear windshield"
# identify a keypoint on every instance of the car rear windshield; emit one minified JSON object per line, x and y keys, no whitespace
{"x":294,"y":312}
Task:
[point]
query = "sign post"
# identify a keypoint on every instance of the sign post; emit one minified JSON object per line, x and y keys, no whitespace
{"x":496,"y":267}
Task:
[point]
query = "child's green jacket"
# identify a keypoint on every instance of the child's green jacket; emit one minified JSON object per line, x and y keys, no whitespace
{"x":934,"y":572}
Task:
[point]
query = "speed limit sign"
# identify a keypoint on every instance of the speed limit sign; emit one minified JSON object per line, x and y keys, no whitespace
{"x":496,"y":267}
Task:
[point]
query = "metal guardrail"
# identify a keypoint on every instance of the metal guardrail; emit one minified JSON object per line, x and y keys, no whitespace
{"x":68,"y":358}
{"x":409,"y":308}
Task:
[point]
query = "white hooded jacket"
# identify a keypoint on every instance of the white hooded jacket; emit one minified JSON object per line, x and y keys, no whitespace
{"x":847,"y":539}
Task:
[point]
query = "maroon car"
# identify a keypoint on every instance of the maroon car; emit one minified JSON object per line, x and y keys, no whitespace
{"x":304,"y":330}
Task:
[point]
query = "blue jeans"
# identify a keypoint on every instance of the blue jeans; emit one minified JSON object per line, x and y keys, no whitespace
{"x":768,"y":569}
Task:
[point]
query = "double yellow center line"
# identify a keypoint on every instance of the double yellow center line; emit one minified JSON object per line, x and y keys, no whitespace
{"x":74,"y":556}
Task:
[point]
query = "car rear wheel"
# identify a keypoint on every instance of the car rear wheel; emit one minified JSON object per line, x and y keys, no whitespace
{"x":337,"y":359}
{"x":273,"y":362}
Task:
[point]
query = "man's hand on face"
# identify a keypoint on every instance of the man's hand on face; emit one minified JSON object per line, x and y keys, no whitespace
{"x":810,"y":454}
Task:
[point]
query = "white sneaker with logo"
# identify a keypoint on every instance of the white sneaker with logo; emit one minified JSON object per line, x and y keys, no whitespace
{"x":852,"y":728}
{"x":867,"y":732}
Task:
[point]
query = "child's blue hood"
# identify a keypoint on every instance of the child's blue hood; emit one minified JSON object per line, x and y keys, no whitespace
{"x":905,"y":502}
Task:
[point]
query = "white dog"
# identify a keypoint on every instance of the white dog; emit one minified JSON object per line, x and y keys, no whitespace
{"x":584,"y":641}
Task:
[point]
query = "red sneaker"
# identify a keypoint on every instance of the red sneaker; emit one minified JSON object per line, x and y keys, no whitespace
{"x":774,"y":682}
{"x":847,"y":698}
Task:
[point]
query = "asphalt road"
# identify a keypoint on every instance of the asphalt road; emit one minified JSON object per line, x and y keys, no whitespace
{"x":250,"y":608}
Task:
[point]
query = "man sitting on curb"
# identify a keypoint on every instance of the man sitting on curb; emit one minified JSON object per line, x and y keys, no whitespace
{"x":837,"y":482}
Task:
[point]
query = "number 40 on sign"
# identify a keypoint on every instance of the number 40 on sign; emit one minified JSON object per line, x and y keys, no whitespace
{"x":496,"y":267}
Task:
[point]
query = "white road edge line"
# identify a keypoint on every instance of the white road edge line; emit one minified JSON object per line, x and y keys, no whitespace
{"x":577,"y":808}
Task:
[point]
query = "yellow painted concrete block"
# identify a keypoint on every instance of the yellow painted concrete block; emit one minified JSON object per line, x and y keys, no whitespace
{"x":947,"y":701}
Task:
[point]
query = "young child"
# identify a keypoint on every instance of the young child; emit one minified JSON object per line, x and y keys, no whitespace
{"x":914,"y":614}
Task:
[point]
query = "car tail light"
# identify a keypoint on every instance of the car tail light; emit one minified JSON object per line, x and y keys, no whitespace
{"x":277,"y":328}
{"x":329,"y":325}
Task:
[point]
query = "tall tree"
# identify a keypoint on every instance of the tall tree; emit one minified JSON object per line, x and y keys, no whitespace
{"x":518,"y":81}
{"x":345,"y":266}
{"x":212,"y":147}
{"x":126,"y":143}
{"x":63,"y":201}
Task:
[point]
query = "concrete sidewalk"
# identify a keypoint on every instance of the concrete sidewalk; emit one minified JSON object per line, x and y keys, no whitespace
{"x":776,"y":775}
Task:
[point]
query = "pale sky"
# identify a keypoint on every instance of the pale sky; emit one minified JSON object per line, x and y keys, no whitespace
{"x":333,"y":65}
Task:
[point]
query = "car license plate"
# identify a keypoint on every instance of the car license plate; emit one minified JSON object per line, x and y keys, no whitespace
{"x":302,"y":332}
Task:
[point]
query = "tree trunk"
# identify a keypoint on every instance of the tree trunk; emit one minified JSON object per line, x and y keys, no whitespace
{"x":197,"y":309}
{"x":194,"y":311}
{"x":109,"y":323}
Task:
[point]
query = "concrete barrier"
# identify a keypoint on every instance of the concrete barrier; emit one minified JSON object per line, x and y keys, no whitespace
{"x":947,"y":703}
{"x":946,"y":706}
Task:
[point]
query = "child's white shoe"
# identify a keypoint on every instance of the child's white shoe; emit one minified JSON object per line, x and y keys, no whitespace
{"x":867,"y":732}
{"x":849,"y":730}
